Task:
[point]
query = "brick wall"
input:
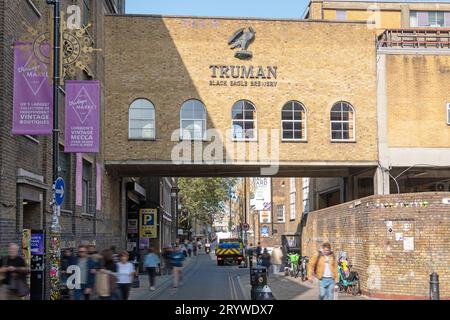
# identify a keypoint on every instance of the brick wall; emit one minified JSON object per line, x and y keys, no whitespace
{"x":361,"y":228}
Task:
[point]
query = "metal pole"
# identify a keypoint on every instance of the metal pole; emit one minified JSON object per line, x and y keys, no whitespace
{"x":55,"y":250}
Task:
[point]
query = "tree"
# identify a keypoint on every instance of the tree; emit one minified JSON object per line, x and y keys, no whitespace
{"x":204,"y":197}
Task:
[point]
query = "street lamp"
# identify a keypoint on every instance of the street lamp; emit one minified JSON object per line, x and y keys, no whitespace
{"x":174,"y":195}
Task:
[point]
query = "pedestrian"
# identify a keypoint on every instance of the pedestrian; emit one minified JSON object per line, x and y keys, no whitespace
{"x":276,"y":259}
{"x":114,"y":253}
{"x":265,"y":260}
{"x":194,"y":248}
{"x":258,"y":253}
{"x":166,"y":260}
{"x":250,"y":252}
{"x":190,"y":247}
{"x":176,"y":260}
{"x":125,"y":275}
{"x":67,"y":260}
{"x":105,"y":280}
{"x":323,"y":266}
{"x":15,"y":271}
{"x":87,"y":274}
{"x":151,"y":262}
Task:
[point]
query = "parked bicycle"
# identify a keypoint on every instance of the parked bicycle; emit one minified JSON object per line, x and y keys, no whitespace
{"x":302,"y":269}
{"x":291,"y":264}
{"x":348,"y":280}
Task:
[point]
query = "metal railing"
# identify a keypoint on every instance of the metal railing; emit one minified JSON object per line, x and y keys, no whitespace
{"x":415,"y":38}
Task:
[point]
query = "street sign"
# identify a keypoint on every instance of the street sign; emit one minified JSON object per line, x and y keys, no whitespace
{"x":59,"y":191}
{"x":245,"y":226}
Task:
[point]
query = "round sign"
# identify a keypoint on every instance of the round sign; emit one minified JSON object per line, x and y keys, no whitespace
{"x":59,"y":191}
{"x":245,"y":226}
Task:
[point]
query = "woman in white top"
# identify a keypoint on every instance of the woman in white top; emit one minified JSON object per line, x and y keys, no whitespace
{"x":125,"y":274}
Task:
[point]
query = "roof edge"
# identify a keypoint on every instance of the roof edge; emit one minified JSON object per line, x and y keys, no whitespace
{"x":234,"y":18}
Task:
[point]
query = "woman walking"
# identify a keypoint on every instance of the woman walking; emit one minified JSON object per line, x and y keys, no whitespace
{"x":125,"y":274}
{"x":106,"y":281}
{"x":151,"y":262}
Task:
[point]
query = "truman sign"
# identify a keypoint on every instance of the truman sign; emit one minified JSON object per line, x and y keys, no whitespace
{"x":243,"y":76}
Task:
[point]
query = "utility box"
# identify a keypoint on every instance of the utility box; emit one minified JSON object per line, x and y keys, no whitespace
{"x":258,"y":279}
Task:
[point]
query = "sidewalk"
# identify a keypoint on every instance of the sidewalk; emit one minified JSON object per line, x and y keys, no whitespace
{"x":162,"y":282}
{"x":289,"y":288}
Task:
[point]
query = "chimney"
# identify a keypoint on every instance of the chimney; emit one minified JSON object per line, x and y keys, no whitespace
{"x":316,"y":10}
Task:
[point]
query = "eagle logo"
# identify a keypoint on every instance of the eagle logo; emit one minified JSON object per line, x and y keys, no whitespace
{"x":242,"y":39}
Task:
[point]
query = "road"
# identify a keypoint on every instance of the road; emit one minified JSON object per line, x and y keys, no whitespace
{"x":205,"y":280}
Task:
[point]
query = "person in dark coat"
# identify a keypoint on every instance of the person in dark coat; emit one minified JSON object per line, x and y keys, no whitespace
{"x":265,"y":260}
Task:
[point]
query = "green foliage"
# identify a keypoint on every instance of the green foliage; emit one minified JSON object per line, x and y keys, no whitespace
{"x":204,"y":197}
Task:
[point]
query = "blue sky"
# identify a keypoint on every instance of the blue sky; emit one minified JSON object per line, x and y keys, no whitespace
{"x":226,"y":8}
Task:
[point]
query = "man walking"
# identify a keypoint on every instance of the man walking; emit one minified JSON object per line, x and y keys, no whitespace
{"x":176,"y":259}
{"x":277,"y":257}
{"x":87,"y":274}
{"x":324,"y":267}
{"x":15,"y":271}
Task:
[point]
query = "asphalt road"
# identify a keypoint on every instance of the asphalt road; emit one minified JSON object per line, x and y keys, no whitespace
{"x":205,"y":280}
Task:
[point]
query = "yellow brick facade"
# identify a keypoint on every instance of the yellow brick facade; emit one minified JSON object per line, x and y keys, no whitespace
{"x":167,"y":60}
{"x":417,"y":95}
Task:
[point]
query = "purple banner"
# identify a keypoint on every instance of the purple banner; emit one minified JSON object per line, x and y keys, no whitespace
{"x":98,"y":187}
{"x":79,"y":180}
{"x":33,"y":97}
{"x":82,"y":116}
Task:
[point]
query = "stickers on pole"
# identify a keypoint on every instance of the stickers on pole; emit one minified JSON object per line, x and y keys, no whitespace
{"x":82,"y":123}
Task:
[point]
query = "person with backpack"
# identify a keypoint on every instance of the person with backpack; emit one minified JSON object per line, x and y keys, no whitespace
{"x":323,"y":266}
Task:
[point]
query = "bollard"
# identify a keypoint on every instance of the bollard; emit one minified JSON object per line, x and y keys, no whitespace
{"x":434,"y":286}
{"x":258,"y":280}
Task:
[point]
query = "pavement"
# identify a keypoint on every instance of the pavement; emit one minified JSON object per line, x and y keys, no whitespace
{"x":203,"y":279}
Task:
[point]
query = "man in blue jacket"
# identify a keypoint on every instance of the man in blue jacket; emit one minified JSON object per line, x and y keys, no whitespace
{"x":87,"y":274}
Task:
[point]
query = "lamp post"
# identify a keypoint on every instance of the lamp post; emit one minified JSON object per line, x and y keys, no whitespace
{"x":55,"y":252}
{"x":174,"y":195}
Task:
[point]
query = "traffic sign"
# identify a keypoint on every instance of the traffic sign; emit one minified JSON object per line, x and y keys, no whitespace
{"x":59,"y":191}
{"x":245,"y":226}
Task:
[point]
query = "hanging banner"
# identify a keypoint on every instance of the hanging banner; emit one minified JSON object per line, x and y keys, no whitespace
{"x":82,"y":116}
{"x":79,"y":180}
{"x":33,"y":97}
{"x":263,"y":196}
{"x":148,"y":223}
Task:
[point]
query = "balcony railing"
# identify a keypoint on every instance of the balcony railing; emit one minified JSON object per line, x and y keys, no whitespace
{"x":415,"y":38}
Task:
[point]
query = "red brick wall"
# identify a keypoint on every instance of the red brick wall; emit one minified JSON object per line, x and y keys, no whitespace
{"x":388,"y":271}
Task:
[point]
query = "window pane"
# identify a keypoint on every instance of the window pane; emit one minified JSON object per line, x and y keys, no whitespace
{"x":249,"y":133}
{"x":336,"y":135}
{"x":297,"y":125}
{"x":288,"y":134}
{"x":345,"y":135}
{"x":286,"y":115}
{"x":336,"y":126}
{"x":238,"y":129}
{"x":298,"y":135}
{"x":249,"y":115}
{"x":288,"y":125}
{"x":336,"y":116}
{"x":248,"y":106}
{"x":298,"y":115}
{"x":237,"y":114}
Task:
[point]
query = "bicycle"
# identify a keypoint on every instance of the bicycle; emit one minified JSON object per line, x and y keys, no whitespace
{"x":302,"y":268}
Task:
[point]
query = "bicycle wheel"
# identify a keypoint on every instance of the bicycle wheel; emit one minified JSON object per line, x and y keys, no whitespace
{"x":356,"y":287}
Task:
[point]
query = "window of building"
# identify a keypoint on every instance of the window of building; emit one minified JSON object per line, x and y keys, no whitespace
{"x":65,"y":173}
{"x":341,"y":14}
{"x":293,"y":121}
{"x":141,"y":120}
{"x":292,"y":199}
{"x":448,"y":113}
{"x":86,"y":12}
{"x":430,"y":19}
{"x":342,"y":122}
{"x":193,"y":120}
{"x":243,"y":114}
{"x":281,"y":212}
{"x":86,"y":186}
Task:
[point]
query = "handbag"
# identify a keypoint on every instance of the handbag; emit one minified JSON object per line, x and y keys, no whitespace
{"x":19,"y":287}
{"x":102,"y":284}
{"x":136,"y":283}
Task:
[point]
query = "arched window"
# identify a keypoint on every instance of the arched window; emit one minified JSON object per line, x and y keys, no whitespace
{"x":293,"y":121}
{"x":243,"y":124}
{"x":193,"y":120}
{"x":141,"y":120}
{"x":342,"y":122}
